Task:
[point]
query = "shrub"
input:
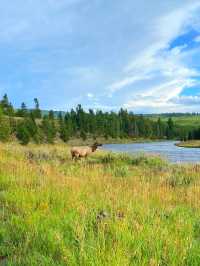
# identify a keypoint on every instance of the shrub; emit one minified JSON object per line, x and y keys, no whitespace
{"x":179,"y":180}
{"x":121,"y":171}
{"x":197,"y":230}
{"x":108,"y":158}
{"x":150,"y":161}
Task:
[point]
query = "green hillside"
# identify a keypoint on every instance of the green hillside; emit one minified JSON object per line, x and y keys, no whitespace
{"x":185,"y":120}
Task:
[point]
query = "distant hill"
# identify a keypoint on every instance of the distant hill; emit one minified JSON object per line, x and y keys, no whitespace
{"x":182,"y":119}
{"x":56,"y":113}
{"x":191,"y":120}
{"x":173,"y":115}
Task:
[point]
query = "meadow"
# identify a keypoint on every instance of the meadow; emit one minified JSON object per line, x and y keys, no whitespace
{"x":111,"y":209}
{"x":184,"y":120}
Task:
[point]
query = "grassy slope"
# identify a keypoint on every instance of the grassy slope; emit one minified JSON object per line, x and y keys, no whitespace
{"x":51,"y":209}
{"x":184,"y":120}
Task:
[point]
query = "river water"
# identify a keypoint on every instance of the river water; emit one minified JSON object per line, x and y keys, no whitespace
{"x":166,"y":149}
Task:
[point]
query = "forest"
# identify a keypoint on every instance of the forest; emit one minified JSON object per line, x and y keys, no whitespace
{"x":34,"y":125}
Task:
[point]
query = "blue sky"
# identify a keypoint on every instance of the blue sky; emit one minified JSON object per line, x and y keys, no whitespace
{"x":140,"y":55}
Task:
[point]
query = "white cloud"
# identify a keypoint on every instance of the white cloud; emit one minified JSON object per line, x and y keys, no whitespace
{"x":90,"y":95}
{"x":160,"y":96}
{"x":166,"y":69}
{"x":98,"y":52}
{"x":197,"y":39}
{"x":127,"y":81}
{"x":187,"y":100}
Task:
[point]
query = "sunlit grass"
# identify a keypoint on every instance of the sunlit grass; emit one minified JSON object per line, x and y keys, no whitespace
{"x":189,"y":144}
{"x":111,"y":209}
{"x":191,"y":121}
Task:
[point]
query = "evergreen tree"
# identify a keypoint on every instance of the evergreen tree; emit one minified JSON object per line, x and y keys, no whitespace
{"x":69,"y":125}
{"x":5,"y":102}
{"x":92,"y":122}
{"x":63,"y":132}
{"x":5,"y":129}
{"x":51,"y":115}
{"x":141,"y":126}
{"x":23,"y":133}
{"x":72,"y":117}
{"x":79,"y":123}
{"x":136,"y":131}
{"x":170,"y":129}
{"x":22,"y":112}
{"x":6,"y":106}
{"x":190,"y":135}
{"x":24,"y":109}
{"x":159,"y":129}
{"x":37,"y":112}
{"x":32,"y":127}
{"x":49,"y":130}
{"x":83,"y":135}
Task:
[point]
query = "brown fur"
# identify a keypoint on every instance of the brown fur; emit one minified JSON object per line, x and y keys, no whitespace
{"x":83,"y":152}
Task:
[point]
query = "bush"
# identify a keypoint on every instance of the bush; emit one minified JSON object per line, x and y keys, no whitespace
{"x":49,"y":129}
{"x":108,"y":158}
{"x":197,"y":230}
{"x":177,"y":179}
{"x":121,"y":171}
{"x":150,"y":161}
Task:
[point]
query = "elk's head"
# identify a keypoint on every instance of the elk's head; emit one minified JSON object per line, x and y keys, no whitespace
{"x":95,"y":146}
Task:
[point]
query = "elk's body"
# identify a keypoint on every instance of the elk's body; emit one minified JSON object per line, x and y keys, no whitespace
{"x":83,"y":152}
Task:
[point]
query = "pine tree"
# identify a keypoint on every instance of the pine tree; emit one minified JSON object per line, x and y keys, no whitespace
{"x":22,"y":112}
{"x":6,"y":106}
{"x":49,"y":130}
{"x":51,"y":115}
{"x":5,"y":129}
{"x":37,"y":112}
{"x":83,"y":135}
{"x":170,"y":129}
{"x":5,"y":102}
{"x":32,"y":127}
{"x":79,"y":123}
{"x":159,"y":129}
{"x":24,"y":109}
{"x":63,"y":132}
{"x":136,"y":131}
{"x":23,"y":133}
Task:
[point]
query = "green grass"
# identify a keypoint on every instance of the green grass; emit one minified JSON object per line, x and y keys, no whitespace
{"x":192,"y":121}
{"x":111,"y":209}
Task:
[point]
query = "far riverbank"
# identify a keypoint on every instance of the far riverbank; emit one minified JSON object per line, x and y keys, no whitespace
{"x":189,"y":144}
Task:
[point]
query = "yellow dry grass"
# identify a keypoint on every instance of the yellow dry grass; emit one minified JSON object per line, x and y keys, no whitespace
{"x":107,"y":210}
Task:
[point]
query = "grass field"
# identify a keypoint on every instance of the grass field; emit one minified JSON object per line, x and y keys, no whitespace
{"x":191,"y":121}
{"x":109,"y":210}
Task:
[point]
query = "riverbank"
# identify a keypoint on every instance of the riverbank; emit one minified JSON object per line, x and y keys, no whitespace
{"x":189,"y":144}
{"x":54,"y":211}
{"x":89,"y":141}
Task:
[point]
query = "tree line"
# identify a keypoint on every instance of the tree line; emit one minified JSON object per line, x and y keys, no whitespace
{"x":32,"y":125}
{"x":194,"y":134}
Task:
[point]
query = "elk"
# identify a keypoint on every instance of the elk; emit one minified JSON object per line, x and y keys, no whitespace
{"x":83,"y":152}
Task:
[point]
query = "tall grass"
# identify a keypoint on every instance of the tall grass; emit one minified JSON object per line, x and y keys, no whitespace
{"x":110,"y":209}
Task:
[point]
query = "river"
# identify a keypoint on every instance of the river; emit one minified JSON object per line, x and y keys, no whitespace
{"x":167,"y":149}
